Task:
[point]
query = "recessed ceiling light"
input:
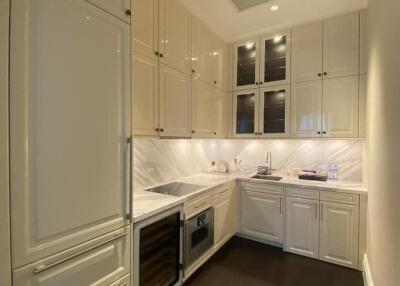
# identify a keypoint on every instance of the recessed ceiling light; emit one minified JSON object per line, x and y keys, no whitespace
{"x":274,"y":8}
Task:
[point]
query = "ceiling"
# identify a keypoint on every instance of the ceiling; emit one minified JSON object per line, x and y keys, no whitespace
{"x":224,"y":18}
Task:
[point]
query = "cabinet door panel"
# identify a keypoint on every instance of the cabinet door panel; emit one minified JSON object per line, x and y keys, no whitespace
{"x":204,"y":103}
{"x":275,"y":59}
{"x":246,"y":64}
{"x":175,"y":35}
{"x":363,"y":42}
{"x":145,"y":27}
{"x":118,"y":8}
{"x":306,"y":103}
{"x":302,"y":226}
{"x":274,"y":111}
{"x":307,"y":53}
{"x":363,"y":105}
{"x":175,"y":95}
{"x":245,"y":113}
{"x":340,"y":107}
{"x":339,"y":234}
{"x":223,"y":219}
{"x":222,"y":112}
{"x":262,"y":215}
{"x":70,"y":118}
{"x":145,"y":95}
{"x":341,"y":46}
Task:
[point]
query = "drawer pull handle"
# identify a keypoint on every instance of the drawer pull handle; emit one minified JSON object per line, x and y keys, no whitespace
{"x":44,"y":267}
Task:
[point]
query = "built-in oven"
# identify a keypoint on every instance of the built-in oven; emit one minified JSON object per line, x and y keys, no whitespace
{"x":158,"y":250}
{"x":199,"y":235}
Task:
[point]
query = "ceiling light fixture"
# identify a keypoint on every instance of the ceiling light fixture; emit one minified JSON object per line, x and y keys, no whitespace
{"x":274,"y":8}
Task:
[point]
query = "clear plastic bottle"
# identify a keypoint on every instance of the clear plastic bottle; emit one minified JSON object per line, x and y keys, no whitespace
{"x":335,"y":172}
{"x":330,"y":172}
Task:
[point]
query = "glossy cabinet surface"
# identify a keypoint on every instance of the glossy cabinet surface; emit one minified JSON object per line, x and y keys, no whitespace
{"x":118,"y":8}
{"x":307,"y":53}
{"x":175,"y":35}
{"x":302,"y":226}
{"x":341,"y":46}
{"x":175,"y":103}
{"x":339,"y":234}
{"x":70,"y":120}
{"x":145,"y":27}
{"x":245,"y":113}
{"x":246,"y":64}
{"x":145,"y":95}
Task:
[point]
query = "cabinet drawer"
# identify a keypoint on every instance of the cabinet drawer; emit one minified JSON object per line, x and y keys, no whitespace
{"x":221,"y":192}
{"x":126,"y":281}
{"x":197,"y":205}
{"x":272,"y":189}
{"x":98,"y":262}
{"x":335,"y":197}
{"x":302,"y":193}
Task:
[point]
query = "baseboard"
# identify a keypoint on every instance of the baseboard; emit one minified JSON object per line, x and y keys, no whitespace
{"x":367,"y":272}
{"x":261,"y":240}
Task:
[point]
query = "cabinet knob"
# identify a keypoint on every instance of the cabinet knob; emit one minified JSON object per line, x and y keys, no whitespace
{"x":319,"y":74}
{"x":256,"y":83}
{"x":193,"y":71}
{"x":260,"y":133}
{"x":261,"y":82}
{"x":156,"y":53}
{"x":319,"y":132}
{"x":215,"y":82}
{"x":161,"y":55}
{"x":324,"y":132}
{"x":255,"y":133}
{"x":325,"y":73}
{"x":161,"y":129}
{"x":215,"y":133}
{"x":128,"y":12}
{"x":193,"y":131}
{"x":157,"y":129}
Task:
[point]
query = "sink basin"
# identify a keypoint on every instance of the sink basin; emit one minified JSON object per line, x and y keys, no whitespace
{"x":267,"y":177}
{"x":177,"y":189}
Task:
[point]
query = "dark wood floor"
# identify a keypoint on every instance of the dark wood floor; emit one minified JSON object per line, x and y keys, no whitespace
{"x":248,"y":263}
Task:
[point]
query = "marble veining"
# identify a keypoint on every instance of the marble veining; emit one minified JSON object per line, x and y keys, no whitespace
{"x":162,"y":160}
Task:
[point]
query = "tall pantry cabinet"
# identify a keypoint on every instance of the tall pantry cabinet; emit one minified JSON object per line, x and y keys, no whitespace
{"x":70,"y":128}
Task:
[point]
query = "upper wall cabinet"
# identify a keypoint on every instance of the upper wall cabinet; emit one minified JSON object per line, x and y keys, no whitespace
{"x":341,"y":46}
{"x":246,"y":66}
{"x":175,"y":35}
{"x":363,"y":42}
{"x":118,"y":8}
{"x":275,"y":59}
{"x":245,"y":113}
{"x":145,"y":27}
{"x":307,"y":53}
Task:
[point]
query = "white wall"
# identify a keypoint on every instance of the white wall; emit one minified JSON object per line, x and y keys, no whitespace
{"x":5,"y":271}
{"x":383,"y":143}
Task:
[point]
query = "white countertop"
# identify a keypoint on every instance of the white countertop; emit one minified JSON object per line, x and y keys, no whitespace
{"x":147,"y":204}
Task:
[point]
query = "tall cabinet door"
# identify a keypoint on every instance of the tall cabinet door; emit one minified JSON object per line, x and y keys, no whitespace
{"x":175,"y":35}
{"x":245,"y":113}
{"x":145,"y":95}
{"x":145,"y":27}
{"x":204,"y":113}
{"x":175,"y":101}
{"x":275,"y":59}
{"x":339,"y":234}
{"x":223,"y":218}
{"x":306,"y":103}
{"x":70,"y":119}
{"x":340,"y":107}
{"x":341,"y":46}
{"x":118,"y":8}
{"x":274,"y":111}
{"x":307,"y":53}
{"x":246,"y":65}
{"x":302,"y":226}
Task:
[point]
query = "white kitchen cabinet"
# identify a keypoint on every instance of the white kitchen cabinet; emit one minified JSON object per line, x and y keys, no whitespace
{"x":246,"y":64}
{"x":275,"y":57}
{"x":245,"y":113}
{"x":307,"y":53}
{"x":145,"y":95}
{"x":99,"y":262}
{"x":340,"y":107}
{"x":363,"y":42}
{"x":118,"y":8}
{"x":262,"y":215}
{"x":224,"y":208}
{"x":220,"y":60}
{"x":145,"y":27}
{"x":175,"y":35}
{"x":175,"y":103}
{"x":339,"y":234}
{"x":69,"y":124}
{"x":306,"y":103}
{"x":222,"y":112}
{"x":204,"y":109}
{"x":302,"y":226}
{"x":341,"y":46}
{"x":363,"y":106}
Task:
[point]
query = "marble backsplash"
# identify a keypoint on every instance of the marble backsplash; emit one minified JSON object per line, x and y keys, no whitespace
{"x":161,"y":160}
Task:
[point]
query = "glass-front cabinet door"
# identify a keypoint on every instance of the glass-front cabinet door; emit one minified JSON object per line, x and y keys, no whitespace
{"x":245,"y":113}
{"x":274,"y":111}
{"x":246,"y":65}
{"x":275,"y":59}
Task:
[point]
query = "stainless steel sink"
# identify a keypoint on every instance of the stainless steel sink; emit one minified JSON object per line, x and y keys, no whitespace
{"x":176,"y":189}
{"x":267,"y":177}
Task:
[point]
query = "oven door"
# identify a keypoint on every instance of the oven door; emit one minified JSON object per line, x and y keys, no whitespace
{"x":199,"y":235}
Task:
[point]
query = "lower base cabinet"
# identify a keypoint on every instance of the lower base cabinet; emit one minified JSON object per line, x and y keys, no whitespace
{"x":223,"y":216}
{"x":339,"y":234}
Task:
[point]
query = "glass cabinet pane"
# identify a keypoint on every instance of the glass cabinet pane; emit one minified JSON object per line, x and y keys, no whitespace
{"x":274,"y":111}
{"x":275,"y":59}
{"x":246,"y":64}
{"x":245,"y":113}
